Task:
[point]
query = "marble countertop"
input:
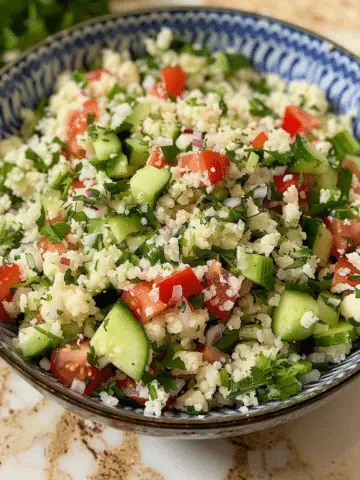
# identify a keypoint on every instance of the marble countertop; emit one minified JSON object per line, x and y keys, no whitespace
{"x":41,"y":441}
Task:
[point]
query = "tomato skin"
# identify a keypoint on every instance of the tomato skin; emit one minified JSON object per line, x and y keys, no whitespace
{"x":96,"y":75}
{"x":9,"y":276}
{"x":78,"y":124}
{"x":346,"y":235}
{"x":143,"y":306}
{"x":219,"y":277}
{"x":128,"y":386}
{"x":296,"y":120}
{"x":260,"y":140}
{"x":67,"y":364}
{"x":77,"y":184}
{"x":156,"y":158}
{"x":282,"y":185}
{"x":348,"y":163}
{"x":213,"y":354}
{"x":216,"y":165}
{"x":340,"y":265}
{"x":4,"y":316}
{"x":173,"y":80}
{"x":186,"y":279}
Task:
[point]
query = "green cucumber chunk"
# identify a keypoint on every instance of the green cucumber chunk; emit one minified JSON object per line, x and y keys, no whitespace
{"x":137,"y":152}
{"x":123,"y":225}
{"x":105,"y":142}
{"x":250,"y":332}
{"x":148,"y":183}
{"x":329,"y":308}
{"x":252,"y":161}
{"x":318,"y":238}
{"x":260,"y":270}
{"x":35,"y":341}
{"x":287,"y":316}
{"x":122,"y":339}
{"x":50,"y":199}
{"x":140,"y":112}
{"x":328,"y":179}
{"x":303,"y":366}
{"x":94,"y":225}
{"x":344,"y":144}
{"x":343,"y":332}
{"x":118,"y":167}
{"x":307,"y":158}
{"x":134,"y":242}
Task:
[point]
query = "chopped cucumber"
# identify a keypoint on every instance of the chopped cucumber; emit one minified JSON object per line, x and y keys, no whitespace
{"x":307,"y":158}
{"x":287,"y":316}
{"x":260,"y":270}
{"x":137,"y":152}
{"x":341,"y":333}
{"x":122,"y":339}
{"x":105,"y":142}
{"x":329,"y":308}
{"x":51,"y":199}
{"x":344,"y":144}
{"x":35,"y":341}
{"x":123,"y":225}
{"x":70,"y":331}
{"x":118,"y":167}
{"x":250,"y":332}
{"x":140,"y":112}
{"x":94,"y":225}
{"x":328,"y":179}
{"x":318,"y":238}
{"x":303,"y":366}
{"x":148,"y":182}
{"x":252,"y":161}
{"x":134,"y":242}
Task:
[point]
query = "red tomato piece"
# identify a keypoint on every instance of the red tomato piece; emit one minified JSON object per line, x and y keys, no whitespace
{"x":128,"y":386}
{"x":348,"y":163}
{"x":68,"y":363}
{"x":76,"y":184}
{"x":301,"y":182}
{"x":96,"y":75}
{"x":182,"y":283}
{"x":137,"y":298}
{"x":216,"y":165}
{"x":296,"y":120}
{"x":78,"y":124}
{"x":260,"y":140}
{"x":173,"y":80}
{"x":346,"y":235}
{"x":45,"y":244}
{"x":9,"y":276}
{"x":212,"y":354}
{"x":156,"y":158}
{"x":218,"y":279}
{"x":343,"y":270}
{"x":4,"y":316}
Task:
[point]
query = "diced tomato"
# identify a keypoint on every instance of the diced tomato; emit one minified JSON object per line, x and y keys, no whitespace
{"x":216,"y":165}
{"x":156,"y":158}
{"x":348,"y":163}
{"x":76,"y":184}
{"x":45,"y":244}
{"x":182,"y":283}
{"x":137,"y":298}
{"x":9,"y":276}
{"x":302,"y":182}
{"x":295,"y":121}
{"x":220,"y":278}
{"x":260,"y":140}
{"x":78,"y":124}
{"x":4,"y":316}
{"x":96,"y":75}
{"x":128,"y":386}
{"x":70,"y":362}
{"x":173,"y":80}
{"x":343,"y":270}
{"x":346,"y":235}
{"x":212,"y":354}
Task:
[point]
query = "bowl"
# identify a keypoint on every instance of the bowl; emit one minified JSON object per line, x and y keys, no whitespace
{"x":273,"y":46}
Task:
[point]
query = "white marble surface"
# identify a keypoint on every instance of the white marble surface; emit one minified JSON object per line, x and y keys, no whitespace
{"x":41,"y":441}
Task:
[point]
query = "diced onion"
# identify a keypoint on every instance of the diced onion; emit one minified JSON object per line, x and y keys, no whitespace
{"x":260,"y":192}
{"x":214,"y":334}
{"x":232,"y":202}
{"x":78,"y":386}
{"x":316,"y":357}
{"x":310,"y":377}
{"x":279,"y":170}
{"x":90,"y":239}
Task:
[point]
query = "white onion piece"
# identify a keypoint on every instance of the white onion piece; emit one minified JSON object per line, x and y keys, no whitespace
{"x":310,"y":377}
{"x":232,"y":202}
{"x":214,"y":334}
{"x":260,"y":192}
{"x":148,"y":82}
{"x":245,"y":287}
{"x":317,"y":357}
{"x":78,"y":386}
{"x":279,"y":170}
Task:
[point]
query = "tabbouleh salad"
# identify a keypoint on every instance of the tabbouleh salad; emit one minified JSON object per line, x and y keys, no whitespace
{"x":181,"y":232}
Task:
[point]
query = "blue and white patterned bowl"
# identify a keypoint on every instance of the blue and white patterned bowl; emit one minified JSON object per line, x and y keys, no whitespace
{"x":273,"y":46}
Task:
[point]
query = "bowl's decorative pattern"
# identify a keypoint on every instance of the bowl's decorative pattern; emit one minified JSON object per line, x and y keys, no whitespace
{"x":273,"y":47}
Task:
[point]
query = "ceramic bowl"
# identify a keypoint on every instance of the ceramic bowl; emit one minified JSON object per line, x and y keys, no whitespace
{"x":273,"y":46}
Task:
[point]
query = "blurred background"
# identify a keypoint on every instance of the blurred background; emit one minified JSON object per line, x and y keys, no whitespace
{"x":26,"y":22}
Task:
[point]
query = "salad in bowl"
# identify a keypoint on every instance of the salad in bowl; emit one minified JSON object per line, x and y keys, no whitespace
{"x":181,"y":232}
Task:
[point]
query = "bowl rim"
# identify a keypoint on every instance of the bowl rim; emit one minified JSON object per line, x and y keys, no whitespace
{"x":128,"y":419}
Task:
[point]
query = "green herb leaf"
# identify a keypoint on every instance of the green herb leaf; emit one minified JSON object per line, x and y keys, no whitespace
{"x":55,"y":232}
{"x":259,"y":109}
